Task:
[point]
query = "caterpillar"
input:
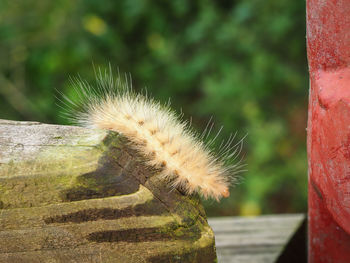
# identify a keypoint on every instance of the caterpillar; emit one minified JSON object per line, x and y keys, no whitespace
{"x":158,"y":133}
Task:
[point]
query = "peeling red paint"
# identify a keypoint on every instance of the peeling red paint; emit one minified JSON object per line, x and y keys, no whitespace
{"x":328,"y":47}
{"x":328,"y":242}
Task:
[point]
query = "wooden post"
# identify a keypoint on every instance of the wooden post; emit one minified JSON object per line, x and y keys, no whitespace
{"x":69,"y":194}
{"x":328,"y":47}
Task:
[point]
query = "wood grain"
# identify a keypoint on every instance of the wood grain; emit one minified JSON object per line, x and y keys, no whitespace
{"x":69,"y":194}
{"x":259,"y":239}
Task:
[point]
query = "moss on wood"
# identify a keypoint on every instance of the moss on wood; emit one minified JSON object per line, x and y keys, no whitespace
{"x":69,"y":194}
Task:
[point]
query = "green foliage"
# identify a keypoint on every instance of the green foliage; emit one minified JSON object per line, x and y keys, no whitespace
{"x":242,"y":62}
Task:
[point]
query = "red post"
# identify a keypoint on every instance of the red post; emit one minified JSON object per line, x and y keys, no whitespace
{"x":328,"y":47}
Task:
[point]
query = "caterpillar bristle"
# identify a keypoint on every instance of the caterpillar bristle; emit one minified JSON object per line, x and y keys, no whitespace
{"x":167,"y":142}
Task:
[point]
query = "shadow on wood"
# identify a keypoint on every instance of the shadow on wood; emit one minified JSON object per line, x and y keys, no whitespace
{"x":69,"y":194}
{"x":261,"y":239}
{"x":296,"y":248}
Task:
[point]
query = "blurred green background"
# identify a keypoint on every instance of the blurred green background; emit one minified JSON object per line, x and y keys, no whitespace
{"x":242,"y":62}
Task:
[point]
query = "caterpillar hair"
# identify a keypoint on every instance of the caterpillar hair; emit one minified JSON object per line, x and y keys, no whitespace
{"x":158,"y":133}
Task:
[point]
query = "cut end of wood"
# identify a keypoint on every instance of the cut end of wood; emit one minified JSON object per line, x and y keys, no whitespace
{"x":86,"y":196}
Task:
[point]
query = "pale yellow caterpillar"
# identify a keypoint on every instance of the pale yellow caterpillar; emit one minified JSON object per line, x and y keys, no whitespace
{"x":167,"y":142}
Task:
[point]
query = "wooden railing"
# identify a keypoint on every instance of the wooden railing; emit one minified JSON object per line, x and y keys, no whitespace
{"x":69,"y":194}
{"x":262,"y":239}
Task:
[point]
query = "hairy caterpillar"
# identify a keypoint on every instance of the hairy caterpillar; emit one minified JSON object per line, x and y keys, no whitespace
{"x":167,"y":142}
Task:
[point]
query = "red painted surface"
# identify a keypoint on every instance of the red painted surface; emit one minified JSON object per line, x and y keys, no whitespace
{"x":328,"y":47}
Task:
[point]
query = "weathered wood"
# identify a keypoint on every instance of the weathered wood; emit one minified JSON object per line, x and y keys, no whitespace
{"x":259,"y":239}
{"x":69,"y":194}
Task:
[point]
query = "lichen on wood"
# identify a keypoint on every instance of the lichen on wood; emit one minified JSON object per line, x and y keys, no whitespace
{"x":69,"y":194}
